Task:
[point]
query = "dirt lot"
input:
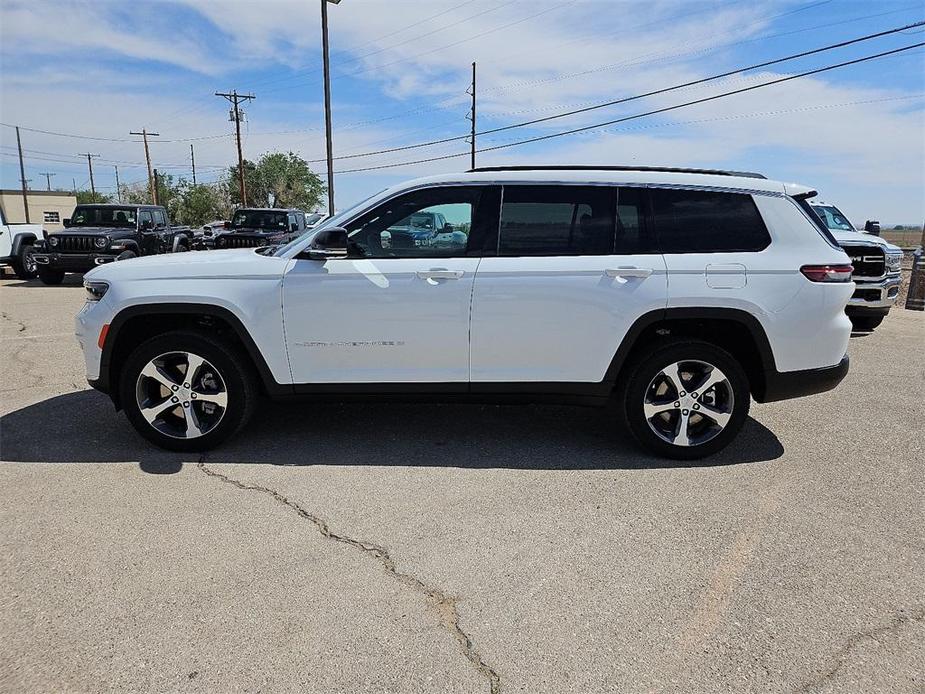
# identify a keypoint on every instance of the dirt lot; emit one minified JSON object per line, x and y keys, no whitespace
{"x":424,"y":548}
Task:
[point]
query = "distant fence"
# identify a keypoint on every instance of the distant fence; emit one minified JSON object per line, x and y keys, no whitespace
{"x":904,"y":238}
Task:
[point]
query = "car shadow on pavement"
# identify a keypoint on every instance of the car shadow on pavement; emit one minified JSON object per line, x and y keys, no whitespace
{"x":82,"y":427}
{"x":70,"y":280}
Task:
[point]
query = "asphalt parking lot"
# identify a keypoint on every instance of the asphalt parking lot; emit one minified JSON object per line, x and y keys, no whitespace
{"x":426,"y":548}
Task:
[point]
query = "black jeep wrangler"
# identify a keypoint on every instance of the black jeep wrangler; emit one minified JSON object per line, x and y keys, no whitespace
{"x":97,"y":234}
{"x":251,"y":227}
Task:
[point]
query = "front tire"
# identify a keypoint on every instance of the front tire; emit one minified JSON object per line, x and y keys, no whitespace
{"x":685,"y":400}
{"x":50,"y":276}
{"x":187,"y":391}
{"x":866,"y":323}
{"x":24,"y":264}
{"x":126,"y":255}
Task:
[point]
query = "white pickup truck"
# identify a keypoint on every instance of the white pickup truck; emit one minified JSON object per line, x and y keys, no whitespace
{"x":17,"y":242}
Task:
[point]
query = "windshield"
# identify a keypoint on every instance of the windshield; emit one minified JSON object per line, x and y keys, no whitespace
{"x":259,"y":219}
{"x":103,"y":217}
{"x":421,"y":220}
{"x":328,"y":223}
{"x":833,"y":218}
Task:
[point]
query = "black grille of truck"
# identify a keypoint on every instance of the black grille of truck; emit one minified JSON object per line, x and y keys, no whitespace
{"x":75,"y":244}
{"x":868,"y":261}
{"x":233,"y":241}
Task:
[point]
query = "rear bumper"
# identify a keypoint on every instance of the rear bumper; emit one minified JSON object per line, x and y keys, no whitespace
{"x":796,"y":384}
{"x":72,"y":262}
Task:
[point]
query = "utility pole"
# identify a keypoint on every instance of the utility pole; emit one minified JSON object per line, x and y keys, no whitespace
{"x":22,"y":177}
{"x":155,"y":187}
{"x":47,"y":175}
{"x":74,"y":186}
{"x":118,"y":187}
{"x":192,"y":156}
{"x":90,"y":166}
{"x":151,"y":187}
{"x":235,"y":99}
{"x":472,"y":118}
{"x":329,"y":139}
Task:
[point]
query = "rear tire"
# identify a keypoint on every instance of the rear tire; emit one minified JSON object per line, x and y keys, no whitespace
{"x":183,"y":411}
{"x":24,"y":263}
{"x":685,"y":400}
{"x":49,"y":276}
{"x":866,"y":323}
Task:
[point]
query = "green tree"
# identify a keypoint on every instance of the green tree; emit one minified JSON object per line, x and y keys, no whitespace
{"x":278,"y":179}
{"x":86,"y":197}
{"x":198,"y":204}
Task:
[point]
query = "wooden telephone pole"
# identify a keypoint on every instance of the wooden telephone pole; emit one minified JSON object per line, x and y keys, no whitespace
{"x":22,"y":177}
{"x":90,"y":166}
{"x":192,"y":156}
{"x":47,"y":175}
{"x":472,"y":118}
{"x":118,"y":187}
{"x":151,"y":187}
{"x":234,"y":98}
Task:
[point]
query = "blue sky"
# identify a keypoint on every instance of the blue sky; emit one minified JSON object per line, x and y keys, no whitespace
{"x":401,"y":68}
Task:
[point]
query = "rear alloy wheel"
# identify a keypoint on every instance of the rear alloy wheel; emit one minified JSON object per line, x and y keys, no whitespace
{"x":185,"y":391}
{"x":687,"y":400}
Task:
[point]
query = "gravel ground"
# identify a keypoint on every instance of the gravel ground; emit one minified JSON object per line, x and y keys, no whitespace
{"x":427,"y":548}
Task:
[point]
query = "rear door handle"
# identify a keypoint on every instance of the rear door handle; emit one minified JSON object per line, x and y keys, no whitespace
{"x":440,"y":274}
{"x":641,"y":272}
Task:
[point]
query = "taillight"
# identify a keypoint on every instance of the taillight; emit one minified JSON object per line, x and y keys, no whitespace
{"x":827,"y":273}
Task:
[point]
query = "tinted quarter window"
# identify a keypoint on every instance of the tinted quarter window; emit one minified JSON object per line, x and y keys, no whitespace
{"x":556,"y":220}
{"x":695,"y":221}
{"x":144,"y":217}
{"x":160,"y":219}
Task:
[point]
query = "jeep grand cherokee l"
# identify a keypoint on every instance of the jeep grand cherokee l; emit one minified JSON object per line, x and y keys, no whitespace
{"x":679,"y":293}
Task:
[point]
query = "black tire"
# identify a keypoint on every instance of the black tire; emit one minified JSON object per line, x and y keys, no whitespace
{"x":126,"y":255}
{"x":234,"y":369}
{"x":643,"y":381}
{"x":866,"y":323}
{"x":24,"y":262}
{"x":50,"y":276}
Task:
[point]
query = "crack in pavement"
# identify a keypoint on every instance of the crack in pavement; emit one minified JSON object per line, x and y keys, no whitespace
{"x":841,"y":656}
{"x":444,"y":604}
{"x":5,"y":316}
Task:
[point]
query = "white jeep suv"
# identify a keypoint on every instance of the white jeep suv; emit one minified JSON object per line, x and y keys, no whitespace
{"x":681,"y":293}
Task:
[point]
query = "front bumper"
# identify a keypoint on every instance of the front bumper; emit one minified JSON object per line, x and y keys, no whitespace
{"x":876,"y":296}
{"x":783,"y":385}
{"x":72,"y":262}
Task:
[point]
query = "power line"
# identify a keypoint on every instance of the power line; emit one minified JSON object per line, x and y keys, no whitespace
{"x":635,"y":97}
{"x":694,"y":102}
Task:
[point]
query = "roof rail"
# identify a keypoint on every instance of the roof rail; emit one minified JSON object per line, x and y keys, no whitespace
{"x":662,"y":169}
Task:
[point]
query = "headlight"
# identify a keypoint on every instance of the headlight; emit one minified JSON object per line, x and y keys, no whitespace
{"x":101,"y":242}
{"x":96,"y":290}
{"x":52,"y":240}
{"x":894,"y":262}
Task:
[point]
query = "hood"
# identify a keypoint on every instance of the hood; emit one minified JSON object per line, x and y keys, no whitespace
{"x":861,"y":237}
{"x":240,"y":263}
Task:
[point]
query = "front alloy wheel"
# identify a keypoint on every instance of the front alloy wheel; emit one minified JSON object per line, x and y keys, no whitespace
{"x":181,"y":395}
{"x":187,"y":390}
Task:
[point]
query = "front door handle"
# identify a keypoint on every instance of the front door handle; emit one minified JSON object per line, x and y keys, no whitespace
{"x":625,"y":272}
{"x":440,"y":274}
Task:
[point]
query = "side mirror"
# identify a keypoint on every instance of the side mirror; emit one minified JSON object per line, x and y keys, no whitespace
{"x":329,"y":243}
{"x":294,"y":226}
{"x":448,"y":228}
{"x":227,"y":225}
{"x":146,"y":225}
{"x":872,"y":227}
{"x":66,"y":222}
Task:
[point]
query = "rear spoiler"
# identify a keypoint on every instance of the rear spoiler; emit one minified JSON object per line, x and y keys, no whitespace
{"x":805,"y":196}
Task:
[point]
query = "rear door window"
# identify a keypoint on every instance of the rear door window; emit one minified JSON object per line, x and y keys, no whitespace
{"x":556,"y":220}
{"x":698,"y":221}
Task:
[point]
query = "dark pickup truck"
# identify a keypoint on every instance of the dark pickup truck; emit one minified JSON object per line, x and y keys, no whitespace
{"x":97,"y":234}
{"x":250,"y":227}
